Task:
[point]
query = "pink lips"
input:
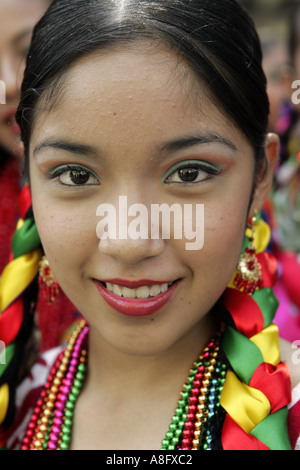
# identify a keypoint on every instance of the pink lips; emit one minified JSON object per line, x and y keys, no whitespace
{"x":135,"y":307}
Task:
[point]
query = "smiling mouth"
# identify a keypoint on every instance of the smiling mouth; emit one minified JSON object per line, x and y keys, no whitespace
{"x":141,"y":292}
{"x":136,"y":298}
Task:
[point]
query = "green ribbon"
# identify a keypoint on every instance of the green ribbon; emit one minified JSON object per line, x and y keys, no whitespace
{"x":6,"y":356}
{"x":26,"y":239}
{"x":273,"y":431}
{"x":268,"y":304}
{"x":244,"y":356}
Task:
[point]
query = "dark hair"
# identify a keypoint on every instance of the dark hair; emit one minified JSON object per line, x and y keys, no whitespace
{"x":218,"y":41}
{"x":216,"y":38}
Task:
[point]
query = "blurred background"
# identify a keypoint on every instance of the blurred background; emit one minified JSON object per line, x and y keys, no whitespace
{"x":278,"y":24}
{"x":268,"y":13}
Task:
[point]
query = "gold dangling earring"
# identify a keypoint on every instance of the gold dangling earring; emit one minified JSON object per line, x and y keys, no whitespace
{"x":248,"y":277}
{"x":47,"y":282}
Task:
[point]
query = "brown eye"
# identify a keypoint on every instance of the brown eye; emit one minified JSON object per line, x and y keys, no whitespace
{"x":188,"y":175}
{"x":193,"y":171}
{"x":69,"y":175}
{"x":80,"y":176}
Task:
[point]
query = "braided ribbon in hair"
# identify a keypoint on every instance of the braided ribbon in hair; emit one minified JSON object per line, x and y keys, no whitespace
{"x":15,"y":279}
{"x":257,"y":386}
{"x":257,"y":390}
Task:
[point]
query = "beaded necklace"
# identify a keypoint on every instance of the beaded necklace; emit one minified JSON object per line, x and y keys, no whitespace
{"x":51,"y":423}
{"x":50,"y":426}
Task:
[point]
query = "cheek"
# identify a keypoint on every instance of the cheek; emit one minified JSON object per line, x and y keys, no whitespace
{"x":224,"y":232}
{"x":68,"y":236}
{"x":224,"y":243}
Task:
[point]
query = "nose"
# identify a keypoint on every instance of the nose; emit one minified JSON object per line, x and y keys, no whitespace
{"x":125,"y":233}
{"x":130,"y":252}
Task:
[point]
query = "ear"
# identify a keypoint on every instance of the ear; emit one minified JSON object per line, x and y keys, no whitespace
{"x":264,"y":184}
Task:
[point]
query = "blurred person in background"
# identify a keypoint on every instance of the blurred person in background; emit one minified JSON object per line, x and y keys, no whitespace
{"x":17,"y":20}
{"x":282,"y":67}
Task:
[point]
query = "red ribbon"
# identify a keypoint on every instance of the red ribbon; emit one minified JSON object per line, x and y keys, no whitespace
{"x":11,"y":321}
{"x":274,"y":382}
{"x":245,"y":312}
{"x":25,"y":201}
{"x":268,"y":268}
{"x":235,"y":438}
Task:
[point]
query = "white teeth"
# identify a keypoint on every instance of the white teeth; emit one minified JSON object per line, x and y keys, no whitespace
{"x":142,"y":292}
{"x":117,"y":289}
{"x":154,"y":290}
{"x":128,"y":293}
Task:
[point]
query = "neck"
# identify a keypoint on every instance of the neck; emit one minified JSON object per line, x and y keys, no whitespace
{"x":142,"y":419}
{"x":140,"y":394}
{"x":108,"y":366}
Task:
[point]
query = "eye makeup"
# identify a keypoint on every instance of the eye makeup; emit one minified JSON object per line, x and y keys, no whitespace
{"x":74,"y":175}
{"x":191,"y":171}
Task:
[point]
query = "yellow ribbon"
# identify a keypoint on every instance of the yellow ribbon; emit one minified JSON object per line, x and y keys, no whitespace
{"x":267,"y":341}
{"x":4,"y":397}
{"x":262,"y":234}
{"x":246,"y":405}
{"x":17,"y":275}
{"x":20,"y":224}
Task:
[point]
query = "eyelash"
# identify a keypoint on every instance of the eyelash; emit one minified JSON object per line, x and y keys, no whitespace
{"x":58,"y":172}
{"x":203,"y":167}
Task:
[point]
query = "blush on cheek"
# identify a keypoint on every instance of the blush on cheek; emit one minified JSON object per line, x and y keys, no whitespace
{"x":223,"y":244}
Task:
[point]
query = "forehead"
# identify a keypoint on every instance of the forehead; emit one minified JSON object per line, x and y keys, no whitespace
{"x":142,"y":68}
{"x":131,"y":74}
{"x":141,"y":87}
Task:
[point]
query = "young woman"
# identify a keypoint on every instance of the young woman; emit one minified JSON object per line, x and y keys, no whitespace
{"x":129,"y":107}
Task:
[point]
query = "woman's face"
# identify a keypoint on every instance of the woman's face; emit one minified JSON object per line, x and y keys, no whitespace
{"x":135,"y":124}
{"x":18,"y":18}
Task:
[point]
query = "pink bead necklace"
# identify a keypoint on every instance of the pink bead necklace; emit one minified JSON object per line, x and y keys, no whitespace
{"x":51,"y":423}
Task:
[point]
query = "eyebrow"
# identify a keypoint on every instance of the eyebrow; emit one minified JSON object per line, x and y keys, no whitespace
{"x":71,"y":147}
{"x":171,"y":146}
{"x":198,"y":139}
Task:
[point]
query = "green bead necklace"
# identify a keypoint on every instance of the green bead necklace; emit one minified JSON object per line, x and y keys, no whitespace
{"x":50,"y":427}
